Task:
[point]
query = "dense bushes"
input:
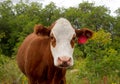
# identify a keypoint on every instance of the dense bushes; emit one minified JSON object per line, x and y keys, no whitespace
{"x":98,"y":58}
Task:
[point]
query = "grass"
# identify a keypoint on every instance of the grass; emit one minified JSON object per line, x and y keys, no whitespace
{"x":74,"y":78}
{"x":10,"y":74}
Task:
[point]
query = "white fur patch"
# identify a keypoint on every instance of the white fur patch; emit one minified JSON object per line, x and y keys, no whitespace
{"x":63,"y":33}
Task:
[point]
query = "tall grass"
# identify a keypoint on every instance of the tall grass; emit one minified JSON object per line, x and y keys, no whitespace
{"x":10,"y":74}
{"x":74,"y":78}
{"x":79,"y":75}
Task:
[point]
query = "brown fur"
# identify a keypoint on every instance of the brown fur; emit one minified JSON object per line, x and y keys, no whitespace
{"x":84,"y":31}
{"x":35,"y":60}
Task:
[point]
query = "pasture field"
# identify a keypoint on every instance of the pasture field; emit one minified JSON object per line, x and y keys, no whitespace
{"x":10,"y":74}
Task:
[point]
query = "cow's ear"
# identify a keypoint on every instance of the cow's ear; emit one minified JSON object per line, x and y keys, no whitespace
{"x":83,"y":35}
{"x":41,"y":30}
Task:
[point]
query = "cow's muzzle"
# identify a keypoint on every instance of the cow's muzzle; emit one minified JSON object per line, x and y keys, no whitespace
{"x":64,"y":61}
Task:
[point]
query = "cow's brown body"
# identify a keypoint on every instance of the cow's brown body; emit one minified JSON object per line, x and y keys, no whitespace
{"x":36,"y":61}
{"x":46,"y":53}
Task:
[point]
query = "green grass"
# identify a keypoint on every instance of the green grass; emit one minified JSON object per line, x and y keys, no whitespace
{"x":10,"y":74}
{"x":73,"y":78}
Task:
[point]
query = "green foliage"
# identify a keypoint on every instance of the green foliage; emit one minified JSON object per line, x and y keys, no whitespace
{"x":9,"y":72}
{"x":99,"y":57}
{"x":6,"y":70}
{"x":14,"y":19}
{"x":101,"y":38}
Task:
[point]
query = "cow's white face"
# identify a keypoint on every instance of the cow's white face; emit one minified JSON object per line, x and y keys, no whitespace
{"x":62,"y":43}
{"x":62,"y":38}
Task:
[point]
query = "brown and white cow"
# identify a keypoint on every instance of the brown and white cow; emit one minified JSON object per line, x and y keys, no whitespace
{"x":46,"y":53}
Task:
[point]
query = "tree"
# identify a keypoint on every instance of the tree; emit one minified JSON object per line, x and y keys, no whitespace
{"x":6,"y":14}
{"x":49,"y":14}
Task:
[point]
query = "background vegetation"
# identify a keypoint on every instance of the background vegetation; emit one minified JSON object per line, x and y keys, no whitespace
{"x":96,"y":62}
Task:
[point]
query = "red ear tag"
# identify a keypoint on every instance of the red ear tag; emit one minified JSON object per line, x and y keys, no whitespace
{"x":82,"y":39}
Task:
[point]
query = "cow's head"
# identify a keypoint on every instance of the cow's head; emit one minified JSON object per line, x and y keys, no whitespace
{"x":62,"y":39}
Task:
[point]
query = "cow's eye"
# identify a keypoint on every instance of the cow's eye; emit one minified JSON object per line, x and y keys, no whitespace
{"x":52,"y":37}
{"x":72,"y":42}
{"x":74,"y":37}
{"x":53,"y":40}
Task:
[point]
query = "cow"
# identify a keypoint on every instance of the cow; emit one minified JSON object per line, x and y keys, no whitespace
{"x":46,"y":53}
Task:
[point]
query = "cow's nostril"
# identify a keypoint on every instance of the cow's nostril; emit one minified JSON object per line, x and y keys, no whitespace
{"x":64,"y":61}
{"x":69,"y":59}
{"x":59,"y":59}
